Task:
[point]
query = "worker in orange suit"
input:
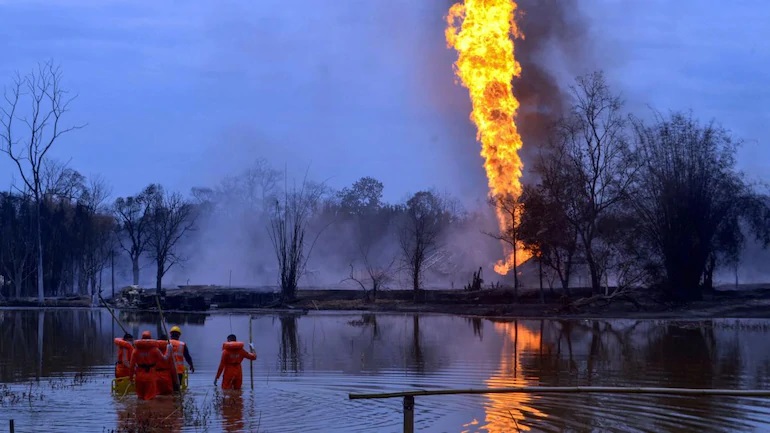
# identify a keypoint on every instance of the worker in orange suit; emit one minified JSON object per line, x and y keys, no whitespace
{"x":164,"y":369}
{"x":181,"y":353}
{"x":144,"y":360}
{"x":232,"y":356}
{"x":125,"y":349}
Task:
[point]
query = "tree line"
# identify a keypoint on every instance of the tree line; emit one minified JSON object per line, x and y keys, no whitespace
{"x":654,"y":203}
{"x":629,"y":202}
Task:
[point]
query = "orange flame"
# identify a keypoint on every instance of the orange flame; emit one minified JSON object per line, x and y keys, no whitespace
{"x":486,"y":66}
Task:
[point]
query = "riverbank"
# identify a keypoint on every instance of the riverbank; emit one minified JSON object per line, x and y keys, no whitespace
{"x":748,"y":303}
{"x":745,"y":302}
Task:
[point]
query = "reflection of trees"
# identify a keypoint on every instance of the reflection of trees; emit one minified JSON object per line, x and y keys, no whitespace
{"x":478,"y":327}
{"x":633,"y":353}
{"x":416,"y":360}
{"x":689,"y":356}
{"x":40,"y":335}
{"x":291,"y":359}
{"x":42,"y":343}
{"x":127,"y":317}
{"x":370,"y":320}
{"x":375,"y":342}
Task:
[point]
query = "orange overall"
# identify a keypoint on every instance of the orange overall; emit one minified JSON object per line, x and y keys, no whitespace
{"x":123,"y":366}
{"x":178,"y":347}
{"x":163,"y":371}
{"x":146,"y":356}
{"x":232,"y":355}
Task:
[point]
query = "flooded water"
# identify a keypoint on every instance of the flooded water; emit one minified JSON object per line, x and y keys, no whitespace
{"x":56,"y":367}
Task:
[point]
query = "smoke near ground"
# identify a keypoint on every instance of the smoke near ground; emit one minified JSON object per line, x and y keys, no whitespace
{"x":554,"y":47}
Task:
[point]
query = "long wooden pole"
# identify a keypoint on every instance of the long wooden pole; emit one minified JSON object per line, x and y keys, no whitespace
{"x":104,"y":303}
{"x":572,"y":390}
{"x":174,"y":375}
{"x":409,"y":414}
{"x":251,"y":362}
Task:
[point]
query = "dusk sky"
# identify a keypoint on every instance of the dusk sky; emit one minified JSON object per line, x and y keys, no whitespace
{"x":183,"y":93}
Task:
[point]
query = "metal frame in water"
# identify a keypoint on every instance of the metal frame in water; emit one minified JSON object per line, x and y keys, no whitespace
{"x":409,"y":396}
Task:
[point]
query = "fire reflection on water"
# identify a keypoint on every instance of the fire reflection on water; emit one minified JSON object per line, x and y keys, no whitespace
{"x":505,"y":412}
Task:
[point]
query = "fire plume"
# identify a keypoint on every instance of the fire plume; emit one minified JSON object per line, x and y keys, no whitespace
{"x":482,"y":32}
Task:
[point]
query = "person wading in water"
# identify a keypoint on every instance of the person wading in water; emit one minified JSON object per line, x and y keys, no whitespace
{"x":143,"y":362}
{"x":125,"y":350}
{"x":181,"y":353}
{"x":232,"y":356}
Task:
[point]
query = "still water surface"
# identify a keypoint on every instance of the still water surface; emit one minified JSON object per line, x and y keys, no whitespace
{"x":56,"y":367}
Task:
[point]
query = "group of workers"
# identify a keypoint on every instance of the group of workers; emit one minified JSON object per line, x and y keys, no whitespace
{"x":156,"y":367}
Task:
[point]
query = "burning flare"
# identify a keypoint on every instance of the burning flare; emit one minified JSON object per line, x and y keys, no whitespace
{"x":486,"y":66}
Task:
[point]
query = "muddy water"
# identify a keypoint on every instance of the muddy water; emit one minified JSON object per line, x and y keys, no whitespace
{"x":56,"y":367}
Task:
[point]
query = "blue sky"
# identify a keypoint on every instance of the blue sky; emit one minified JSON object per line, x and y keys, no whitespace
{"x":183,"y":93}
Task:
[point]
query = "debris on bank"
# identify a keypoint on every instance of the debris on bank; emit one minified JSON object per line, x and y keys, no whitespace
{"x":49,"y":302}
{"x":194,"y":298}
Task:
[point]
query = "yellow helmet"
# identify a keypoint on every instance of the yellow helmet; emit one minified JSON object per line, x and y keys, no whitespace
{"x":176,"y":329}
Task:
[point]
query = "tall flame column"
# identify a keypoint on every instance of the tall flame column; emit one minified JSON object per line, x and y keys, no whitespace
{"x":482,"y":32}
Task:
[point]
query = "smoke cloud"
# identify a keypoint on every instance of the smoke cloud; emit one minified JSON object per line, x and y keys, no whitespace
{"x":555,"y":48}
{"x":409,"y":45}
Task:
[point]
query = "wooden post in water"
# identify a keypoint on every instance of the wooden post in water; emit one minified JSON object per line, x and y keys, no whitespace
{"x":251,"y":363}
{"x":11,"y":426}
{"x":408,"y":414}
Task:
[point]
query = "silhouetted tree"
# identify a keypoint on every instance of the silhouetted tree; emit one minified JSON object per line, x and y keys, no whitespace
{"x":588,"y":166}
{"x":424,"y":219}
{"x":288,"y":227}
{"x":546,"y":231}
{"x":133,"y":216}
{"x":170,"y":218}
{"x":511,"y":207}
{"x":364,"y":197}
{"x":690,"y":200}
{"x":30,"y":124}
{"x":17,"y":248}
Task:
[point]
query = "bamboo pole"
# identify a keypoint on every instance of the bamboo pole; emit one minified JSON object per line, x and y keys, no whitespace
{"x":104,"y":303}
{"x":251,"y":362}
{"x":572,"y":390}
{"x":174,"y":375}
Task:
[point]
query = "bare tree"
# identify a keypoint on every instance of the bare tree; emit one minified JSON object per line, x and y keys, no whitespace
{"x":419,"y":238}
{"x":99,"y":234}
{"x":591,"y":157}
{"x":252,"y":190}
{"x":30,"y":124}
{"x":259,"y":184}
{"x":170,"y":218}
{"x":60,"y":181}
{"x":133,"y":216}
{"x":512,"y":208}
{"x":375,"y":273}
{"x":546,"y":232}
{"x":287,"y":229}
